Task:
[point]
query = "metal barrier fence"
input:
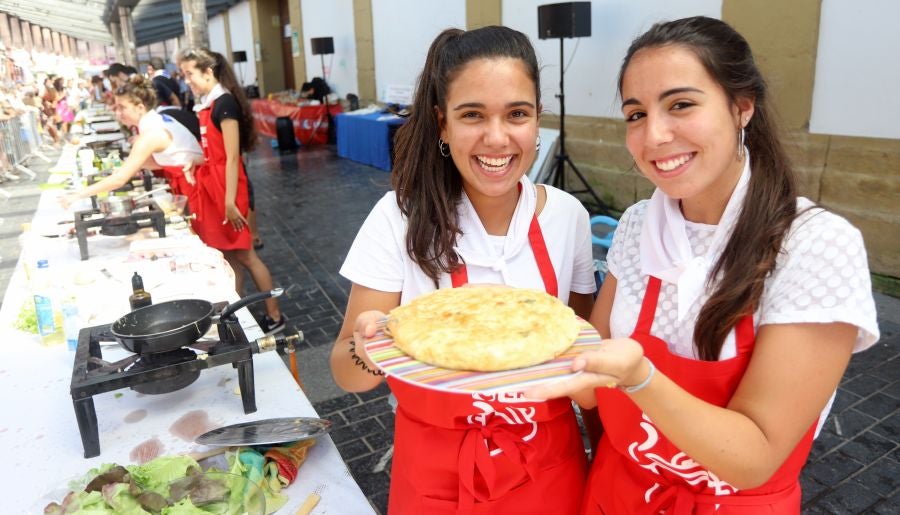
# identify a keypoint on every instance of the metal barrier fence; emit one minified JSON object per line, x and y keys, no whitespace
{"x":21,"y":139}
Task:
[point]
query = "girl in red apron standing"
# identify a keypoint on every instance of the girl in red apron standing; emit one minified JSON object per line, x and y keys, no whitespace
{"x":733,"y":306}
{"x":221,"y":197}
{"x":462,"y":211}
{"x":162,"y":143}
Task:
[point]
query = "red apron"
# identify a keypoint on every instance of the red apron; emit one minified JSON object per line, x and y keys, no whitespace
{"x":638,"y":470}
{"x":208,"y":198}
{"x":178,"y":183}
{"x":486,"y":453}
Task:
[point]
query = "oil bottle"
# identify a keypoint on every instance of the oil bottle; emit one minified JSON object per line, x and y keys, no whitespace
{"x":140,"y":297}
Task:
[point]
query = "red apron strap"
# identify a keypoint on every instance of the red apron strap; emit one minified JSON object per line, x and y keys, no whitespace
{"x":648,"y":306}
{"x":744,"y":334}
{"x":459,"y":276}
{"x":542,"y":257}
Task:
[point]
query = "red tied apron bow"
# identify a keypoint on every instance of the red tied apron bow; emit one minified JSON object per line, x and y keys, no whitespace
{"x":477,"y":474}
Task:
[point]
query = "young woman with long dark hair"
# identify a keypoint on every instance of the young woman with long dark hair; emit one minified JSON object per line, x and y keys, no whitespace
{"x":732,"y":305}
{"x":221,"y":196}
{"x":460,"y":212}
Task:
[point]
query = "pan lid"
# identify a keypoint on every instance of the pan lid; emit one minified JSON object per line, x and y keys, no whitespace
{"x":266,"y":431}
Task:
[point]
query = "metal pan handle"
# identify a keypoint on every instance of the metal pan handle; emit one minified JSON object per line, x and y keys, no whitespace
{"x":249,"y":299}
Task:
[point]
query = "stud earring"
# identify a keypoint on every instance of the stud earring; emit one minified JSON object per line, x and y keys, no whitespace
{"x":537,"y":144}
{"x":443,"y":148}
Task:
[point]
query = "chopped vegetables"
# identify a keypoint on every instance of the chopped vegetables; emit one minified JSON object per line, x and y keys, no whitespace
{"x":27,"y":319}
{"x":167,"y":485}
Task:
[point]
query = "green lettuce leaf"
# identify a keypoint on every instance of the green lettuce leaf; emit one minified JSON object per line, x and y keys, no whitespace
{"x":183,"y":507}
{"x":120,"y":499}
{"x":156,"y":474}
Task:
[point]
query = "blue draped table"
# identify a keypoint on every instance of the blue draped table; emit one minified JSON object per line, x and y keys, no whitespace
{"x":366,"y":138}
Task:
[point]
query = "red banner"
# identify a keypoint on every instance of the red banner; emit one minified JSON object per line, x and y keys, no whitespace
{"x":310,"y":122}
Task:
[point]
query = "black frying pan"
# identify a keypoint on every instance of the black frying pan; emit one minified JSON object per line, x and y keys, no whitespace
{"x":169,"y":325}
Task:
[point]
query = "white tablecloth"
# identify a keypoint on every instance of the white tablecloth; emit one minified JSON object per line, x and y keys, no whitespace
{"x":42,"y":448}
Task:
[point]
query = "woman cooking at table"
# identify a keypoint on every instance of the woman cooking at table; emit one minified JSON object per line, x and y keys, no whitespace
{"x":733,"y":305}
{"x":463,"y":210}
{"x":163,"y":142}
{"x":221,"y":196}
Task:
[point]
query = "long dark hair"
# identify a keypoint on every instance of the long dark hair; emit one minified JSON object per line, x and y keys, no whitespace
{"x":428,"y":185}
{"x":205,"y":59}
{"x":770,"y":205}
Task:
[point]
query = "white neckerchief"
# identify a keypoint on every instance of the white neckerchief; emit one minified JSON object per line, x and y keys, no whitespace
{"x":209,"y":98}
{"x":475,"y":246}
{"x":666,"y":252}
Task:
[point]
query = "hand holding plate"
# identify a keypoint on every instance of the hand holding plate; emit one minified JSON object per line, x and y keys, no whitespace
{"x":615,"y":362}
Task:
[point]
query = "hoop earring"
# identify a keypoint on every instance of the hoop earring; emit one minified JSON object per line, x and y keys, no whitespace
{"x":443,"y":148}
{"x":740,"y":149}
{"x":537,"y":144}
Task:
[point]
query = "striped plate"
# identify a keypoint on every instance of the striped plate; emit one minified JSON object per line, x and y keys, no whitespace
{"x":396,"y":363}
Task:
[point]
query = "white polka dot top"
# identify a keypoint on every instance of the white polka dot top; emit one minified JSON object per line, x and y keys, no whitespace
{"x":822,"y":276}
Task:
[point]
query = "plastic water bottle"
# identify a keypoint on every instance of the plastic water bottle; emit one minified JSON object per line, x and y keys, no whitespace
{"x":46,"y":305}
{"x":71,"y":321}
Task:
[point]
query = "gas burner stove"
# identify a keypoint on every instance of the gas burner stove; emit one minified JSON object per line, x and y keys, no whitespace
{"x":117,"y":225}
{"x":163,"y":372}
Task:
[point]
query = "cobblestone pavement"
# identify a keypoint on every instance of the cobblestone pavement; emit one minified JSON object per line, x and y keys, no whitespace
{"x":310,"y":206}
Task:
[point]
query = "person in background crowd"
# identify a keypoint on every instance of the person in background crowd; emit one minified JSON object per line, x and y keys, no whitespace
{"x":49,"y":117}
{"x":221,"y":198}
{"x":7,"y":112}
{"x":464,"y":210}
{"x":98,"y":90}
{"x":732,"y":305}
{"x":162,"y":143}
{"x":83,"y":93}
{"x":184,"y":92}
{"x":118,"y":74}
{"x":316,"y":89}
{"x":167,"y":89}
{"x":64,"y":111}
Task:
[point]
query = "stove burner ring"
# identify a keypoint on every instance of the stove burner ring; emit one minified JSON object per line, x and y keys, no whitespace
{"x":167,"y":385}
{"x":118,"y":226}
{"x":169,"y":381}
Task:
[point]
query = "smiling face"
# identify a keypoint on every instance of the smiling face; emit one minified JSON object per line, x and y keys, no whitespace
{"x":490,"y":123}
{"x":682,"y":129}
{"x":200,"y":81}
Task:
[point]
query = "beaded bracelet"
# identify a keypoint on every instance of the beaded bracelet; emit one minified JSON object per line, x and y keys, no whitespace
{"x":359,"y":361}
{"x":643,"y":384}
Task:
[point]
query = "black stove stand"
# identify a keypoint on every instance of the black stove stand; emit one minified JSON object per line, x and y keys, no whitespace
{"x":117,"y":226}
{"x":153,"y":374}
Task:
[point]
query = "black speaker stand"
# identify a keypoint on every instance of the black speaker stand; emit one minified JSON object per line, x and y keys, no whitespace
{"x":330,"y":132}
{"x":557,"y":177}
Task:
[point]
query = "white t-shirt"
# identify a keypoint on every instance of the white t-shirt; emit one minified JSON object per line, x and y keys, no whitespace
{"x":184,"y":148}
{"x":378,"y":257}
{"x":822,"y":276}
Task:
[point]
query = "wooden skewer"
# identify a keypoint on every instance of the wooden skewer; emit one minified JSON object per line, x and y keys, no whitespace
{"x":308,"y":504}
